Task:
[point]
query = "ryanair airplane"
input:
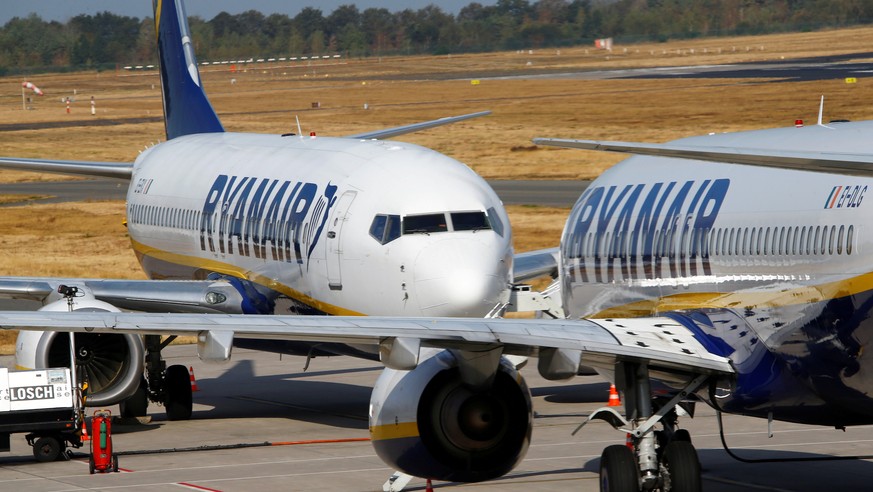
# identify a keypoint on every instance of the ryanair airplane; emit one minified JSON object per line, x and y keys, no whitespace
{"x":272,"y":224}
{"x":731,"y":270}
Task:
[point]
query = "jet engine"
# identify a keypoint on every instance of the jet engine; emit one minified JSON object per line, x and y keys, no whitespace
{"x":112,"y":364}
{"x":427,"y":422}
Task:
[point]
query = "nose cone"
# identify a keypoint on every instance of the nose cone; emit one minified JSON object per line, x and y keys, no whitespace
{"x":462,"y":276}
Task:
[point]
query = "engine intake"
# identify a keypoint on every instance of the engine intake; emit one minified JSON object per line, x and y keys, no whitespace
{"x":111,"y":363}
{"x":428,"y":423}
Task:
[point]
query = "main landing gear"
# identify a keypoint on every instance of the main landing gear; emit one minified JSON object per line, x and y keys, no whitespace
{"x":170,"y":386}
{"x":652,"y":460}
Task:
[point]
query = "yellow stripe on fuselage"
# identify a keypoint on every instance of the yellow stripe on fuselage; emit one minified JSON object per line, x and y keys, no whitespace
{"x":232,"y":270}
{"x":158,"y":6}
{"x":393,"y":431}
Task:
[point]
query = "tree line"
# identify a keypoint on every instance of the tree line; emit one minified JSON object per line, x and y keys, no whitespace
{"x":106,"y":39}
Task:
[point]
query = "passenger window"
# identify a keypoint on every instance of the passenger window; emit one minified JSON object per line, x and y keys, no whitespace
{"x":802,"y":240}
{"x":469,"y":221}
{"x":840,"y":240}
{"x":850,"y":236}
{"x":824,"y":241}
{"x":831,"y":240}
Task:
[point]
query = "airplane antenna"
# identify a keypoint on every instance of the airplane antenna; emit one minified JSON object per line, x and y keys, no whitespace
{"x":821,"y":110}
{"x":300,"y":131}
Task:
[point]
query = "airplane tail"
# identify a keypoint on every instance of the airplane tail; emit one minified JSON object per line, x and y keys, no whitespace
{"x":186,"y":108}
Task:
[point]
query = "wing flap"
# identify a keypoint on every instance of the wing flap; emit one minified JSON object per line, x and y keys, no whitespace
{"x":830,"y":162}
{"x":602,"y":341}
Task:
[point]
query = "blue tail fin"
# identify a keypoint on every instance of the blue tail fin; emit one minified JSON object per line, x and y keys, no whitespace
{"x":186,"y":108}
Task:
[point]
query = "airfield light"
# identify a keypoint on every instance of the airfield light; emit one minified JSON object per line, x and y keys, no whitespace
{"x":798,"y":123}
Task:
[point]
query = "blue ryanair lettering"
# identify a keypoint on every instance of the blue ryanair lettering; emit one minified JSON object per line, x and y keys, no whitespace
{"x":261,"y":218}
{"x":643,"y":231}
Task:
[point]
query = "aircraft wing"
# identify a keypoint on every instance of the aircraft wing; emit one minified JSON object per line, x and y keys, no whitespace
{"x":120,"y":170}
{"x":535,"y":264}
{"x":416,"y":127}
{"x":662,"y":343}
{"x":830,"y":162}
{"x":162,"y":296}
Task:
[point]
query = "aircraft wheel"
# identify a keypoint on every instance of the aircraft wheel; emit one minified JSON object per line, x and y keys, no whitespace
{"x":138,"y":403}
{"x":618,"y":470}
{"x":46,"y":449}
{"x":682,"y":467}
{"x":682,"y":435}
{"x":179,"y":401}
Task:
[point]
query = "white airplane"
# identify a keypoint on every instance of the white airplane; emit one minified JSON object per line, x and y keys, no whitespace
{"x":728,"y":269}
{"x":272,"y":224}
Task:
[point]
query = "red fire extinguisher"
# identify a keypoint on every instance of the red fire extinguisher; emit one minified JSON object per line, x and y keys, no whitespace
{"x":102,"y":458}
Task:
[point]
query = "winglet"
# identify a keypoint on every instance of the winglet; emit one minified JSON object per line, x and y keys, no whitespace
{"x":821,"y":110}
{"x":186,"y":108}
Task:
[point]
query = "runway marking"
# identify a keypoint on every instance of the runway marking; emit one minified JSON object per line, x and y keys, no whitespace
{"x":196,"y":487}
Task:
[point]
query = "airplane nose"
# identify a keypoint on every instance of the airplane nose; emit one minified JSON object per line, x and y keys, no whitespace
{"x":461,"y":277}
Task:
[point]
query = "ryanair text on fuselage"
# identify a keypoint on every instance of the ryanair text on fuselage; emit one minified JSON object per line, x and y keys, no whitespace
{"x":638,"y":226}
{"x":252,"y":216}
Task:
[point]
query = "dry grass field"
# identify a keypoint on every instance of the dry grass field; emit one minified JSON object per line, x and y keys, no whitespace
{"x":88,"y":239}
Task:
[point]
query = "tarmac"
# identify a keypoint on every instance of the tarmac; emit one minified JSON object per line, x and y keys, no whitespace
{"x":265,"y":424}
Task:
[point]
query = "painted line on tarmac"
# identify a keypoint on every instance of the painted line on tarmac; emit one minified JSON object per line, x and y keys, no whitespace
{"x":196,"y":487}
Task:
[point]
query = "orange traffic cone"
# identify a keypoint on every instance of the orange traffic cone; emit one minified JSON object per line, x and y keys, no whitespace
{"x":614,"y":400}
{"x":85,"y":436}
{"x":429,"y":487}
{"x":193,"y":382}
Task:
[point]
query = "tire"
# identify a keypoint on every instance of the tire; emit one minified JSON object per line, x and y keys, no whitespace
{"x":682,"y":435}
{"x":46,"y":449}
{"x":682,"y":467}
{"x":618,"y":470}
{"x":115,"y":463}
{"x":138,"y":403}
{"x":177,"y":388}
{"x":91,"y":465}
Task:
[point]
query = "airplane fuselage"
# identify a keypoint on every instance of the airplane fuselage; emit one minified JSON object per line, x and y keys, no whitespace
{"x":768,"y":267}
{"x":339,"y":226}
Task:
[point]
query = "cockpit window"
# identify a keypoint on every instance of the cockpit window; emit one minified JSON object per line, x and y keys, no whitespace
{"x":425,"y":224}
{"x":469,"y":221}
{"x":385,"y":228}
{"x":495,"y":221}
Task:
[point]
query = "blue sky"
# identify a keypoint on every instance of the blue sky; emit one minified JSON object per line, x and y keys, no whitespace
{"x":62,"y":10}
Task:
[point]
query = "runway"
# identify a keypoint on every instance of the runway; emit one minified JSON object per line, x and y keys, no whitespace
{"x":796,"y":70}
{"x":258,"y":398}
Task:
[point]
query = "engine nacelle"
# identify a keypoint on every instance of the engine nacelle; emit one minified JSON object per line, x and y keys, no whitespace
{"x":112,"y":363}
{"x":428,"y":423}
